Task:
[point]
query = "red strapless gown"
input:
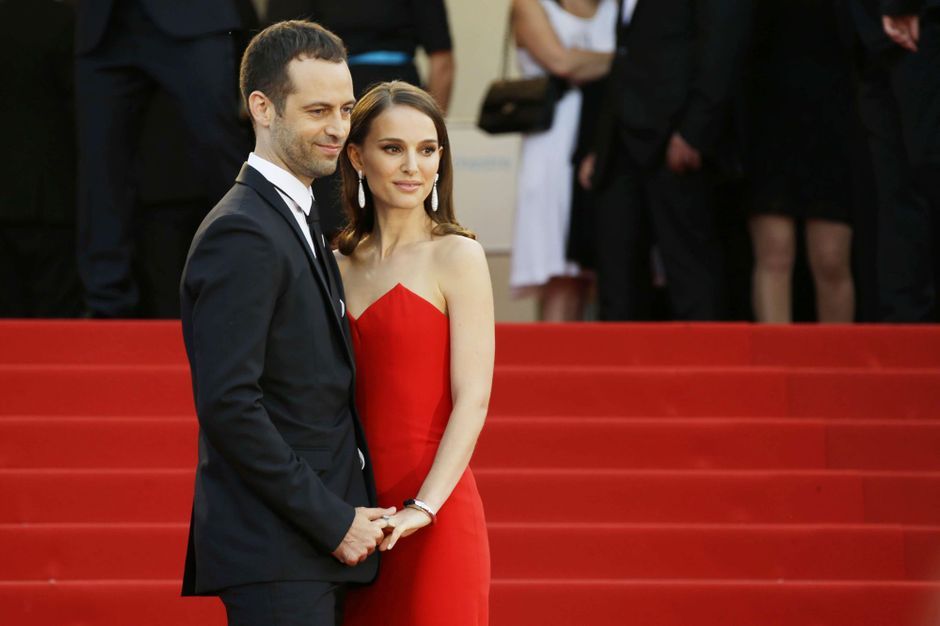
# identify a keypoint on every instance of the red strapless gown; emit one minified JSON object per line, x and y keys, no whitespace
{"x":439,"y":576}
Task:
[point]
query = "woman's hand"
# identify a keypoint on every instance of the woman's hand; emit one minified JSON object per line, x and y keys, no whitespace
{"x":404,"y":523}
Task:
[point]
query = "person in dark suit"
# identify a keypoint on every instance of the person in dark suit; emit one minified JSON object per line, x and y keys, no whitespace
{"x":897,"y":48}
{"x":125,"y":49}
{"x":661,"y":134}
{"x":282,"y":513}
{"x":37,"y":180}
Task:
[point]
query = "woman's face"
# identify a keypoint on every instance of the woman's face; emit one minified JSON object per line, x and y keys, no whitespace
{"x":399,"y":157}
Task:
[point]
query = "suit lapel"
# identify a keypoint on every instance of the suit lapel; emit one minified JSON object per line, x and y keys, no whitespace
{"x":252,"y":178}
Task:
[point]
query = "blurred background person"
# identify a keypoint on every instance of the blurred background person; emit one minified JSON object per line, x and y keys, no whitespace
{"x":799,"y":130}
{"x":382,"y":38}
{"x":663,"y":129}
{"x":125,"y":50}
{"x":37,"y":180}
{"x":897,"y":51}
{"x":572,"y":40}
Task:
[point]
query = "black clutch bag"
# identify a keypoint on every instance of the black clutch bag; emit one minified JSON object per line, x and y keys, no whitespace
{"x":526,"y":105}
{"x":521,"y":105}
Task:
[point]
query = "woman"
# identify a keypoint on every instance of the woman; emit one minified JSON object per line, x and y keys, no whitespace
{"x":799,"y":139}
{"x":420,"y":308}
{"x":574,"y":40}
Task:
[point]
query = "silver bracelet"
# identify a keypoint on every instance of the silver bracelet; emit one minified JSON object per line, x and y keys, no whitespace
{"x":418,"y":505}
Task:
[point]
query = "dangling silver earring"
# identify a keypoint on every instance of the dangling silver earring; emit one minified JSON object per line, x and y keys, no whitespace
{"x":434,"y":202}
{"x":362,"y":192}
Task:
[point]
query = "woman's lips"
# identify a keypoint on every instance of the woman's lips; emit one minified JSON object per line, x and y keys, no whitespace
{"x":408,"y":186}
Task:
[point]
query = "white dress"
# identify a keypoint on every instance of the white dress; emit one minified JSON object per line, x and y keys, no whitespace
{"x":546,"y":173}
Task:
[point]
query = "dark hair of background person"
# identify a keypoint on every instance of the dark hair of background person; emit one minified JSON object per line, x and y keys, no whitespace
{"x":264,"y":64}
{"x":361,"y":221}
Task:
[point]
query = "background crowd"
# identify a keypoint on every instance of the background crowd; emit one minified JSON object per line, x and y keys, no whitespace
{"x":712,"y":160}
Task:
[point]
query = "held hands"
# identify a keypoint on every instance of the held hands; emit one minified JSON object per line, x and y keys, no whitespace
{"x":404,"y":523}
{"x":365,"y":534}
{"x":681,"y":157}
{"x":903,"y":30}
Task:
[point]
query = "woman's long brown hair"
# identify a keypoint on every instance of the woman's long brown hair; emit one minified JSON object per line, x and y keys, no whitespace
{"x":361,"y":221}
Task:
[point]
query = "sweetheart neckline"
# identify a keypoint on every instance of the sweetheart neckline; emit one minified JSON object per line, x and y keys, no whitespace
{"x":357,"y":318}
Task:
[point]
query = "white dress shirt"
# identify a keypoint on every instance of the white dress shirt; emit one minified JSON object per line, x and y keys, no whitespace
{"x":297,"y":196}
{"x":629,"y":6}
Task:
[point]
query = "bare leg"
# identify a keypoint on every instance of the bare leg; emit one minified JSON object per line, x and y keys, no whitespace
{"x":774,"y":241}
{"x":829,"y":246}
{"x":563,"y":299}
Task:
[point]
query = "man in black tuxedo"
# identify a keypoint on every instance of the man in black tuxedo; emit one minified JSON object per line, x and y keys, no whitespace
{"x":37,"y":180}
{"x":662,"y":127}
{"x":282,"y":508}
{"x":897,"y":46}
{"x":125,"y":50}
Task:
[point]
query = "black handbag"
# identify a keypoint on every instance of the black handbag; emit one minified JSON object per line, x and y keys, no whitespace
{"x":522,"y":105}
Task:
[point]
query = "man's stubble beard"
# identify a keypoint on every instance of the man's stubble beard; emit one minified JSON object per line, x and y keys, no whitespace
{"x":300,"y":156}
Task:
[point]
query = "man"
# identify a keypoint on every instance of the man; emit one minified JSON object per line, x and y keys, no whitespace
{"x":37,"y":180}
{"x":897,"y":45}
{"x":663,"y":125}
{"x":125,"y":51}
{"x":281,"y":513}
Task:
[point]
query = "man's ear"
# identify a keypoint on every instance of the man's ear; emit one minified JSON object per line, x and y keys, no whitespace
{"x":355,"y":156}
{"x":261,"y":109}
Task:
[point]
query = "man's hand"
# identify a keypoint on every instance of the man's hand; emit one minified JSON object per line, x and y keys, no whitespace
{"x":682,"y":157}
{"x":903,"y":30}
{"x":366,"y":532}
{"x":404,"y":523}
{"x":586,"y":170}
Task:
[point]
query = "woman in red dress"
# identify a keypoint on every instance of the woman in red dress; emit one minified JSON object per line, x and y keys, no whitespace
{"x":420,"y":308}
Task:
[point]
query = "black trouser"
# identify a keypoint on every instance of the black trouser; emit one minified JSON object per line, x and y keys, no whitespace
{"x":284,"y":603}
{"x":639,"y":206}
{"x":113,"y":85}
{"x":899,"y":101}
{"x":37,"y":271}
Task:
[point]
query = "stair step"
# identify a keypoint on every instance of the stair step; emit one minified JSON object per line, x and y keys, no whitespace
{"x":630,"y":551}
{"x":48,"y":496}
{"x":529,"y":391}
{"x":602,"y":443}
{"x":161,"y":342}
{"x":524,"y":603}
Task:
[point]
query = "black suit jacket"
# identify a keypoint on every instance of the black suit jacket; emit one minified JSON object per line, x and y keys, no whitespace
{"x":272,"y":368}
{"x":37,"y":180}
{"x":907,"y":7}
{"x":183,"y":19}
{"x":674,"y":69}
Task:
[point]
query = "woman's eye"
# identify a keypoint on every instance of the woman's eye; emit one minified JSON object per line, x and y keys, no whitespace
{"x":391,"y":149}
{"x":429,"y":151}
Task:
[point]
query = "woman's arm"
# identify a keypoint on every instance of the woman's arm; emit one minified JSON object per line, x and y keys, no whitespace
{"x":465,"y":283}
{"x":534,"y":32}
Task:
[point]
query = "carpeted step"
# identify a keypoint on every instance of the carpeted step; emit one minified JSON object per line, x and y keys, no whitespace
{"x":531,"y":391}
{"x":698,"y":496}
{"x":155,"y":551}
{"x":603,"y":443}
{"x":812,"y":346}
{"x":881,"y":346}
{"x":524,"y":603}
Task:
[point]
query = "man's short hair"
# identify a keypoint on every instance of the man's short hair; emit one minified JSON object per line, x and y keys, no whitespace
{"x":264,"y":64}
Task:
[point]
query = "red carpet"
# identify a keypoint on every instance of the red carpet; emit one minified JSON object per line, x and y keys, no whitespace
{"x":672,"y":475}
